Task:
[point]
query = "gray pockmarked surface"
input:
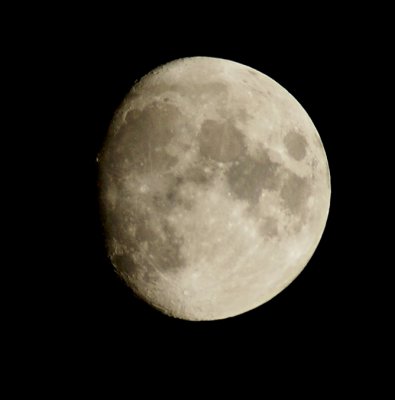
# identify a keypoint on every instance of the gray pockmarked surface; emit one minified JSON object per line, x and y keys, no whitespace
{"x":215,"y":188}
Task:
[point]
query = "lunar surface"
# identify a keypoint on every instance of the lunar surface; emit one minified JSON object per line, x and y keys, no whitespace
{"x":215,"y":188}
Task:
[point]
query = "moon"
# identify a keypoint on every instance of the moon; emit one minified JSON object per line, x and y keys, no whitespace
{"x":214,"y":188}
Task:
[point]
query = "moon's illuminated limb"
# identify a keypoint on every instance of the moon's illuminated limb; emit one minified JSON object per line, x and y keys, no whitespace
{"x":215,"y":188}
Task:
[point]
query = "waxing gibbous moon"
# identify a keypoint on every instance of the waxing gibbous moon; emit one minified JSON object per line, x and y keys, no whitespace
{"x":214,"y":187}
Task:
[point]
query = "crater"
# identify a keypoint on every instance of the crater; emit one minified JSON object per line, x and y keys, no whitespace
{"x":159,"y":244}
{"x":190,"y":90}
{"x":253,"y":72}
{"x":296,"y":145}
{"x":248,"y":177}
{"x":219,"y":141}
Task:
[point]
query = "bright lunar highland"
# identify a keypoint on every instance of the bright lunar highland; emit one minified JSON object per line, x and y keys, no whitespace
{"x":214,"y":188}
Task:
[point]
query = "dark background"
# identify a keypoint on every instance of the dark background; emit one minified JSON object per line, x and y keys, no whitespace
{"x":319,"y":302}
{"x":82,"y":69}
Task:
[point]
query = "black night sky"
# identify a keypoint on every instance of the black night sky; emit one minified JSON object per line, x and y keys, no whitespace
{"x":85,"y":312}
{"x":316,"y":302}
